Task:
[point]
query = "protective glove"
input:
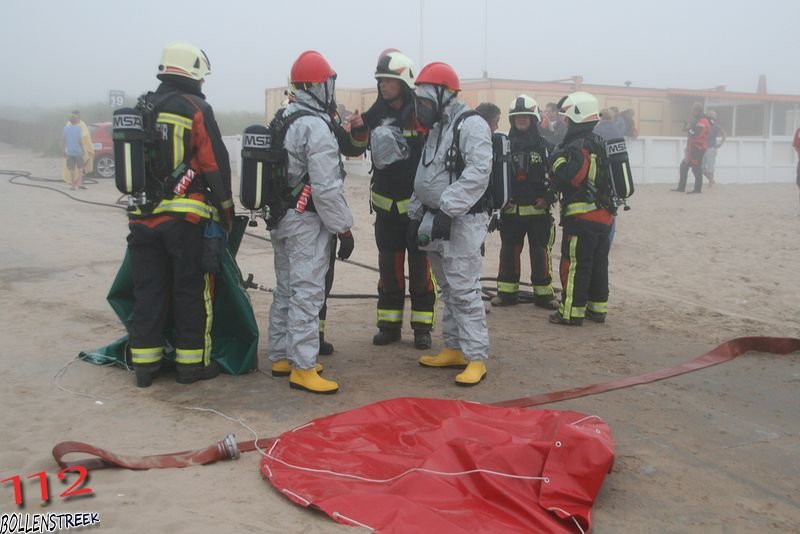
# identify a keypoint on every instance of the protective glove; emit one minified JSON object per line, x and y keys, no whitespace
{"x":226,"y":219}
{"x":494,"y":222}
{"x":411,"y":235}
{"x":346,"y":245}
{"x":441,"y":226}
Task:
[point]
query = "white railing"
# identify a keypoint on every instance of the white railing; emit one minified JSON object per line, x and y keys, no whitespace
{"x":234,"y":145}
{"x":656,"y":159}
{"x":739,"y":160}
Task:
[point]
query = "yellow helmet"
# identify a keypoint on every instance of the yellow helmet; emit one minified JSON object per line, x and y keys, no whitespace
{"x":580,"y":107}
{"x":184,"y":59}
{"x":395,"y":64}
{"x":524,"y":105}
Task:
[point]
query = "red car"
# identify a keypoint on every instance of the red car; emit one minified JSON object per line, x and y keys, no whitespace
{"x":103,"y":149}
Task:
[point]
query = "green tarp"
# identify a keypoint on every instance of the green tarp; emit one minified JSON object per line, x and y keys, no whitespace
{"x":234,"y":333}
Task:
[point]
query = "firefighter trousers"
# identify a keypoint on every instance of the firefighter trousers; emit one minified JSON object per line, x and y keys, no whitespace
{"x":584,"y":268}
{"x":541,"y":234}
{"x":170,"y":290}
{"x":390,"y":237}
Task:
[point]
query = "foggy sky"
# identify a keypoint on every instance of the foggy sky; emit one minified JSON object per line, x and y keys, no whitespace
{"x":56,"y":53}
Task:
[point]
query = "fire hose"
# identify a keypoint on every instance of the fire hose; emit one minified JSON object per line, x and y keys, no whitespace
{"x":229,"y":448}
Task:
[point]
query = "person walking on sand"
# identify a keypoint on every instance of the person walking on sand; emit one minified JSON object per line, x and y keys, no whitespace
{"x":73,"y":153}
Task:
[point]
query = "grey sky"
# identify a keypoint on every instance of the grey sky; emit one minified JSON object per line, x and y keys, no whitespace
{"x":55,"y":53}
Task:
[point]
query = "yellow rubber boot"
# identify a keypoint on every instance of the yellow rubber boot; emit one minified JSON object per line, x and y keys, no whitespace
{"x":284,"y":368}
{"x":473,"y":374}
{"x":446,"y":358}
{"x":309,"y":380}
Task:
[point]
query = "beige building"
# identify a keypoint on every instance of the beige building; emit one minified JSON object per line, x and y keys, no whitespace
{"x":658,"y":112}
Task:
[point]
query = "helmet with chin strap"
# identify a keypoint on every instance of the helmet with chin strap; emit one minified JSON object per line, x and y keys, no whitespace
{"x":439,"y":83}
{"x":524,"y":105}
{"x":310,"y":69}
{"x":396,"y":65}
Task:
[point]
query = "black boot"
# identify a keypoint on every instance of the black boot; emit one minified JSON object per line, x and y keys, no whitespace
{"x":325,"y":348}
{"x":422,"y":339}
{"x":596,"y":317}
{"x":386,"y":336}
{"x":145,"y":373}
{"x":557,"y":318}
{"x":189,"y":373}
{"x":504,"y":299}
{"x":547,"y":302}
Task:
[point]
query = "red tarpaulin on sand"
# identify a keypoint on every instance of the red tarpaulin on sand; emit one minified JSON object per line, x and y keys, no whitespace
{"x":432,"y":465}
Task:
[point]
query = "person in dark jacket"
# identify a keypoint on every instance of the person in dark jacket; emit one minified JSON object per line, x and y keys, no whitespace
{"x":166,"y":234}
{"x":528,"y":210}
{"x":395,"y":147}
{"x":586,"y":214}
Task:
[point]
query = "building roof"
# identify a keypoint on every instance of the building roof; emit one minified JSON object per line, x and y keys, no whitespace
{"x":576,"y":83}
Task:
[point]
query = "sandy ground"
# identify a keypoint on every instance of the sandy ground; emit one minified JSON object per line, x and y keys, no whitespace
{"x":716,"y":451}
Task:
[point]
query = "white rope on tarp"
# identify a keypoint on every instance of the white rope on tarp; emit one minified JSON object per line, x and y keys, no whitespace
{"x":269,"y":455}
{"x":337,"y":515}
{"x":556,"y":509}
{"x":574,"y":423}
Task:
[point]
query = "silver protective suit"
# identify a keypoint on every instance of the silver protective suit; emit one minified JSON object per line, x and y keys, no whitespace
{"x":301,"y":242}
{"x":457,"y":262}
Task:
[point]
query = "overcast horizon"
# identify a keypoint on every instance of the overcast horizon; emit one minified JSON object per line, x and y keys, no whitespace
{"x":49,"y":63}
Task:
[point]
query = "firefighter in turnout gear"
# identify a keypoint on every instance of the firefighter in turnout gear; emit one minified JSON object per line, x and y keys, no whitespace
{"x":528,"y":211}
{"x":396,"y":145}
{"x":580,"y":176}
{"x":166,"y":234}
{"x":302,"y":237}
{"x":450,"y":218}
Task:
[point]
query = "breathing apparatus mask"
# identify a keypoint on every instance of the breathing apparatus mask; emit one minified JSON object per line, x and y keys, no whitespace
{"x":323,"y":94}
{"x":429,"y":103}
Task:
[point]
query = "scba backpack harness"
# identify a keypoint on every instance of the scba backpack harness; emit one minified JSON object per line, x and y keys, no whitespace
{"x":142,"y":169}
{"x":264,"y":188}
{"x":612,"y":184}
{"x":619,"y":178}
{"x":497,"y":192}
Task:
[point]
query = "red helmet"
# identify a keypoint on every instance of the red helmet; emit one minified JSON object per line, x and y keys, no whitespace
{"x":438,"y":73}
{"x":311,"y":67}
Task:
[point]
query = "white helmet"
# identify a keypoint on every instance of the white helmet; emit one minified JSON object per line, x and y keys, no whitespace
{"x":184,"y":59}
{"x":524,"y":105}
{"x":395,"y":64}
{"x":580,"y":107}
